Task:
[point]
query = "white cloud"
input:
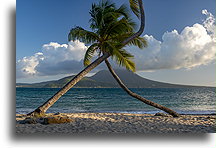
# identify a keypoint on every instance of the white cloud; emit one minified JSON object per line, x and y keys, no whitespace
{"x":54,"y":59}
{"x":55,"y":52}
{"x":193,"y":47}
{"x":209,"y":23}
{"x":26,"y":66}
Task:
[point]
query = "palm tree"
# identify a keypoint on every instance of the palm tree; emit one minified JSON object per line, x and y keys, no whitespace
{"x":139,"y":12}
{"x":146,"y":101}
{"x":111,"y":34}
{"x":107,"y":23}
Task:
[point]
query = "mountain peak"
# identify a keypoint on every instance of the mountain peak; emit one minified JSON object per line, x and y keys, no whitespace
{"x":104,"y":78}
{"x":125,"y":75}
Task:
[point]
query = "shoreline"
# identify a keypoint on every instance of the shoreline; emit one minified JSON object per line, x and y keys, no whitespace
{"x":131,"y":112}
{"x":118,"y":123}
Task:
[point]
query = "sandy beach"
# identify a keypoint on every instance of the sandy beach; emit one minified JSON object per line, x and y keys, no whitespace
{"x":116,"y":123}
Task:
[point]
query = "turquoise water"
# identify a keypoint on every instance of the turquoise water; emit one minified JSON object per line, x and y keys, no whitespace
{"x":182,"y":100}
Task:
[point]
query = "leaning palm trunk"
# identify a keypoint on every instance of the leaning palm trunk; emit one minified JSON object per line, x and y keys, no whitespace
{"x":146,"y":101}
{"x":44,"y":107}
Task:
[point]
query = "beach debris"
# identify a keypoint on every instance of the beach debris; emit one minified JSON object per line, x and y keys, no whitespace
{"x":28,"y":120}
{"x":58,"y":113}
{"x":46,"y":120}
{"x":161,"y":114}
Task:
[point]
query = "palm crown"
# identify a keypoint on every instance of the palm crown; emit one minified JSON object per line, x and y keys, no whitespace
{"x":110,"y":26}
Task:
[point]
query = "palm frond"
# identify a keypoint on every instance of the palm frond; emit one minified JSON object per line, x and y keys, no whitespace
{"x":121,"y":56}
{"x":105,"y":14}
{"x":124,"y":58}
{"x":120,"y":27}
{"x":89,"y":54}
{"x":109,"y":47}
{"x":123,"y":11}
{"x":98,"y":13}
{"x":106,"y":4}
{"x":121,"y":37}
{"x":83,"y":35}
{"x":111,"y":26}
{"x":134,"y":5}
{"x":139,"y":42}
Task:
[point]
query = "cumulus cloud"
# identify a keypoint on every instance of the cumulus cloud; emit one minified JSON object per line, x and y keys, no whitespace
{"x":54,"y":59}
{"x":26,"y":66}
{"x":209,"y":23}
{"x":192,"y":47}
{"x":63,"y":59}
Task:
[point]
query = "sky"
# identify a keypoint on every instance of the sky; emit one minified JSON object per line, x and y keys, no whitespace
{"x":180,"y":34}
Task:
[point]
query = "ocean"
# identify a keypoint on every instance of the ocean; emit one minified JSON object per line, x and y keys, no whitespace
{"x":115,"y":100}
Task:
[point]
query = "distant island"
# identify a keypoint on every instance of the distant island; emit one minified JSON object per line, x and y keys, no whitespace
{"x":104,"y":79}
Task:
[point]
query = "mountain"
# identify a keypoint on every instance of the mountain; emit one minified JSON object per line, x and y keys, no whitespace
{"x":131,"y":79}
{"x":104,"y":79}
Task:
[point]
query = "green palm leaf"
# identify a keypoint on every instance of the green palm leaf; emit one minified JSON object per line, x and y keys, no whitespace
{"x":111,"y":26}
{"x":99,"y":12}
{"x":134,"y":5}
{"x":121,"y":27}
{"x":89,"y":54}
{"x":124,"y":58}
{"x":139,"y":42}
{"x":121,"y":56}
{"x":123,"y":10}
{"x":83,"y":35}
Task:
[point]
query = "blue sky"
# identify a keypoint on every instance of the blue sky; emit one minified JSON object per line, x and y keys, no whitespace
{"x":43,"y":21}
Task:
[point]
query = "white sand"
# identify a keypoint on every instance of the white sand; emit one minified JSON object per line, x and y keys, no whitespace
{"x":113,"y":123}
